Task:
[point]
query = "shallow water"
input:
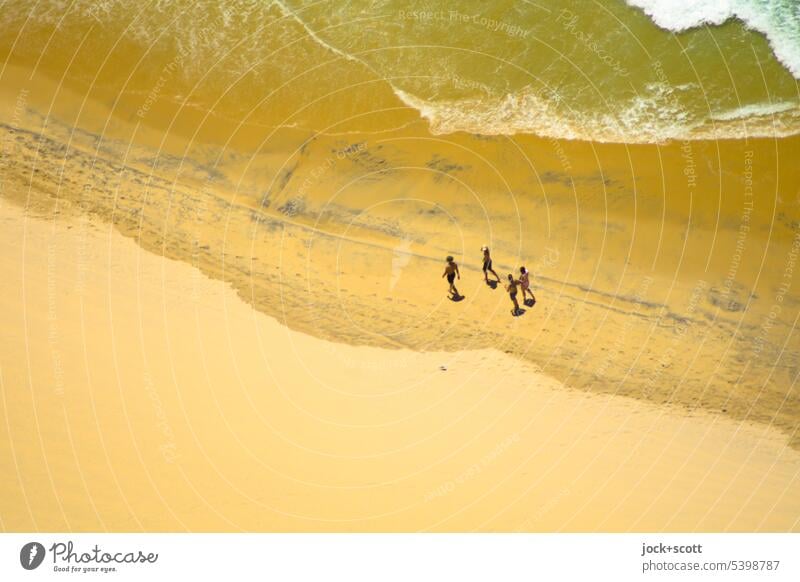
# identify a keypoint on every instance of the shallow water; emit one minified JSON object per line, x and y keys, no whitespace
{"x":603,"y":72}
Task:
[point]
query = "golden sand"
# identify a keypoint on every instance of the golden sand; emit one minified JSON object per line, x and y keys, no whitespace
{"x":652,"y":387}
{"x":137,"y":394}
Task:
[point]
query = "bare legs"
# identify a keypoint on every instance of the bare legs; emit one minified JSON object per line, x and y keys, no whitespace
{"x":486,"y":274}
{"x":526,"y":291}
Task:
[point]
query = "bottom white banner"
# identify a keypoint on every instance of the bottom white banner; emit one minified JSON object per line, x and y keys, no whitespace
{"x":405,"y":557}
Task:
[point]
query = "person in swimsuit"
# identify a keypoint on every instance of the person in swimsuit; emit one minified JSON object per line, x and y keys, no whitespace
{"x":511,"y":287}
{"x":487,"y":265}
{"x":524,"y":279}
{"x":451,"y":271}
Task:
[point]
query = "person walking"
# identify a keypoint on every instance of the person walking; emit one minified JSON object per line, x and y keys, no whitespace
{"x":524,"y":279}
{"x":511,"y":287}
{"x":451,"y":272}
{"x":487,"y":265}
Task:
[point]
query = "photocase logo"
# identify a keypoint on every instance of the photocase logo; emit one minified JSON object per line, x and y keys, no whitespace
{"x":31,"y":555}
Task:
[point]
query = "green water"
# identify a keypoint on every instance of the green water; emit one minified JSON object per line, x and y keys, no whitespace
{"x":564,"y":69}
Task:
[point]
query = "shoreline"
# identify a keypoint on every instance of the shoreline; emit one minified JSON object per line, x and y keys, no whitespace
{"x":658,"y":284}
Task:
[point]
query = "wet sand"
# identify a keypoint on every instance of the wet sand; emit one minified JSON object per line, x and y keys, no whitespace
{"x":138,"y":394}
{"x":665,"y":272}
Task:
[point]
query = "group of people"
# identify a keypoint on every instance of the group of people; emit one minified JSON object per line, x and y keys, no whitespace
{"x":451,"y":272}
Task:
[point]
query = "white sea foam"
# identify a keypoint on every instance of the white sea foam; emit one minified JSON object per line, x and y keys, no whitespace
{"x":652,"y":118}
{"x":778,"y":20}
{"x":755,"y":110}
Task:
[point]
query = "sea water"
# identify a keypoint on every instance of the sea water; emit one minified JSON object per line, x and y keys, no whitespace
{"x":614,"y":71}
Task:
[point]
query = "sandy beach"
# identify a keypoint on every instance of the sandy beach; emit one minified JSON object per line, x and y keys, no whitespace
{"x":223,"y":241}
{"x":653,"y":290}
{"x":138,"y":394}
